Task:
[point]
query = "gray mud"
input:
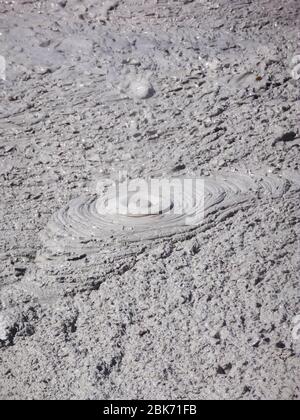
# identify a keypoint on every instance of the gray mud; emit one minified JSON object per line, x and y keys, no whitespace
{"x":111,"y":306}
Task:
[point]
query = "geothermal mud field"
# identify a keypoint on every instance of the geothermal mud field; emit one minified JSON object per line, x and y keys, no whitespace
{"x":99,"y":304}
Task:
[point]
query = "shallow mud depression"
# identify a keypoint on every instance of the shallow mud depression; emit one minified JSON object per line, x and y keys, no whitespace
{"x":193,"y":294}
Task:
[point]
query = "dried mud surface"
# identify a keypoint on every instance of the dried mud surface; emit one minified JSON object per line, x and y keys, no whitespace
{"x":155,"y":88}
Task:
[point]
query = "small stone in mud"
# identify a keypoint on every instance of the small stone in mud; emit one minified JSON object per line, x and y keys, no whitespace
{"x":41,"y":70}
{"x":217,"y":112}
{"x":141,"y":89}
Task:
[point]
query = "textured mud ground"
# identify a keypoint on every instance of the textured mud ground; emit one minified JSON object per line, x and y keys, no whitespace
{"x":154,"y":88}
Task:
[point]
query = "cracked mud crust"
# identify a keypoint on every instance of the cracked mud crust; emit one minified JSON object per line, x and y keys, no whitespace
{"x":161,"y":89}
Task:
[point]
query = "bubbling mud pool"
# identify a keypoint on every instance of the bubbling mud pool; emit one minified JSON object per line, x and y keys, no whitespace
{"x":93,"y":222}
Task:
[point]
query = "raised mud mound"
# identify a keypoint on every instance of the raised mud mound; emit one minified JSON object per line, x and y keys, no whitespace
{"x":86,"y":221}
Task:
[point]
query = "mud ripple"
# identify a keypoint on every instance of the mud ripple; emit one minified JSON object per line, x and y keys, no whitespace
{"x":95,"y":222}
